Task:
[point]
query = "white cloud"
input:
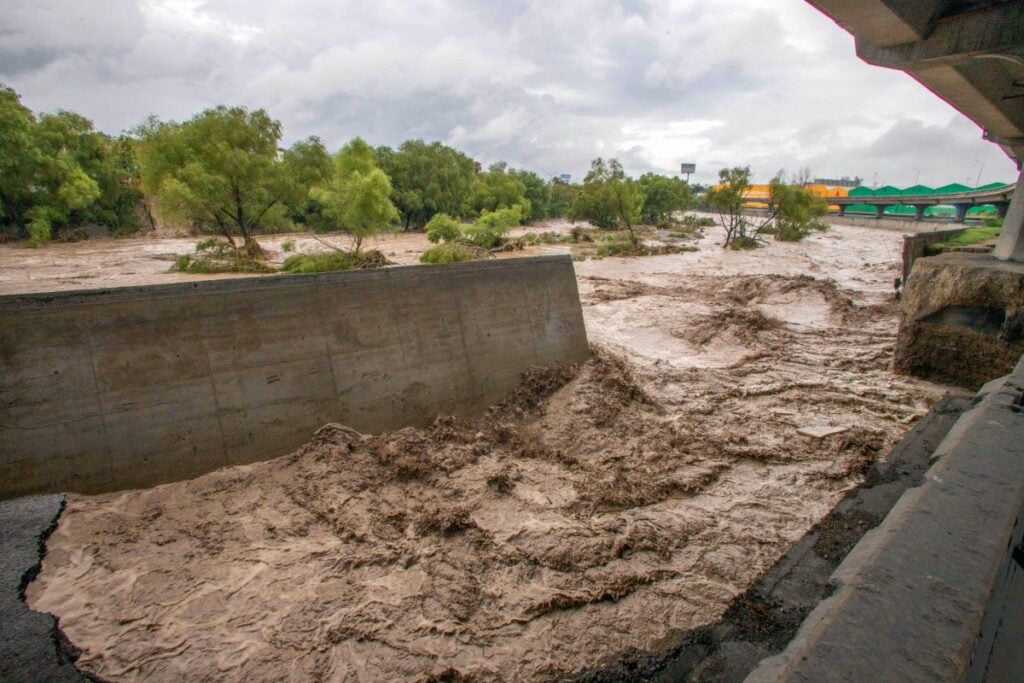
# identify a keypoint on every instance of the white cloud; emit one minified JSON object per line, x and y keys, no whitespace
{"x":544,"y":85}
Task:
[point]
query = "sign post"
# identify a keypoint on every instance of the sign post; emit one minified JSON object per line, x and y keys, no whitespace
{"x":687,"y":169}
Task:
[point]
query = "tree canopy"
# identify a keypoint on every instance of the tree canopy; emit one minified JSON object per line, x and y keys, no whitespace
{"x":357,"y":195}
{"x":608,"y":198}
{"x":426,"y":179}
{"x":220,"y":171}
{"x":57,"y":170}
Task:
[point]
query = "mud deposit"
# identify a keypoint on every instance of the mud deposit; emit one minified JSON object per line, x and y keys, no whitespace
{"x":601,"y":508}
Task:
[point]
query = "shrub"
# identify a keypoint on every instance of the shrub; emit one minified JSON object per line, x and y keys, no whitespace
{"x":443,"y":228}
{"x":450,"y":252}
{"x":788,"y":231}
{"x":743,"y":242}
{"x":325,"y":261}
{"x":288,"y":246}
{"x":217,"y":256}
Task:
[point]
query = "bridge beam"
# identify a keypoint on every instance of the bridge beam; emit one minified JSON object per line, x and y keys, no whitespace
{"x":1010,"y":246}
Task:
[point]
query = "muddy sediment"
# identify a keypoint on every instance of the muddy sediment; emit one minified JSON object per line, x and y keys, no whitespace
{"x":601,"y":507}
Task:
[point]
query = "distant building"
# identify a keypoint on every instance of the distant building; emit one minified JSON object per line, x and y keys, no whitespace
{"x":839,"y":182}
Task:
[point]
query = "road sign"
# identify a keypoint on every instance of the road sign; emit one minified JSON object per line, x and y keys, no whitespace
{"x":688,"y":168}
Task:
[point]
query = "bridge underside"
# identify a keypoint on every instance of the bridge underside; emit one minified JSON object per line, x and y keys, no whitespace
{"x":968,"y":52}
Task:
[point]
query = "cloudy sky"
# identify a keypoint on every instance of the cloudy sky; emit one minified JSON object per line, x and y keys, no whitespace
{"x":544,"y":85}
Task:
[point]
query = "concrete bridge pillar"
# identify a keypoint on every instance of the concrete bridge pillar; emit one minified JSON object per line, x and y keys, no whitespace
{"x":842,"y":209}
{"x":1010,"y":246}
{"x":919,"y":212}
{"x":880,"y":210}
{"x":1001,"y":209}
{"x":961,"y":212}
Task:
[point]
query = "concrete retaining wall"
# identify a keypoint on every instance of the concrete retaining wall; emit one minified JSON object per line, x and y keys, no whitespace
{"x":936,"y":593}
{"x":916,"y":246}
{"x":118,"y":388}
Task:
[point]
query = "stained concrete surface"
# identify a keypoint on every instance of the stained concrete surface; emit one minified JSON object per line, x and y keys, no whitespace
{"x":128,"y":387}
{"x":32,"y":647}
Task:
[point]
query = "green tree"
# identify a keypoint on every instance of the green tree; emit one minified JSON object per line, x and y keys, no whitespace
{"x":726,"y":198}
{"x":608,"y":198}
{"x":307,"y":164}
{"x":497,"y":188}
{"x":796,"y":210}
{"x":357,"y":196}
{"x":55,"y":170}
{"x":427,"y":179}
{"x":663,"y":196}
{"x":537,"y":192}
{"x":562,"y":195}
{"x":221,"y":171}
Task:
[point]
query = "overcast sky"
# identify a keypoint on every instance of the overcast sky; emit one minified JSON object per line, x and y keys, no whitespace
{"x":542,"y":84}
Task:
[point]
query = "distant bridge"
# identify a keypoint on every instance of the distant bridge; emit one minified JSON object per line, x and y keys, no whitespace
{"x":999,"y":197}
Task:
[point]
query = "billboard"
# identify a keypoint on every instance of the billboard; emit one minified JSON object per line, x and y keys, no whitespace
{"x":565,"y":178}
{"x":688,"y":168}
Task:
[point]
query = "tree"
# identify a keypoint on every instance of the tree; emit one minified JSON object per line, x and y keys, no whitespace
{"x":608,"y":199}
{"x":221,"y":171}
{"x":795,"y":209}
{"x":663,"y":196}
{"x":498,"y":188}
{"x":427,"y":179}
{"x":56,"y":171}
{"x":537,"y":192}
{"x":307,"y":163}
{"x":791,"y":208}
{"x":726,"y":198}
{"x":357,"y":196}
{"x":561,"y":198}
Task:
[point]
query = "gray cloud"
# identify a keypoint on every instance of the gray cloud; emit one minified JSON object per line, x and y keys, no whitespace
{"x":542,"y":85}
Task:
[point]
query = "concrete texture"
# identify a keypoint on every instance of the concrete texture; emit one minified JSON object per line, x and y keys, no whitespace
{"x":1011,"y":238}
{"x":762,"y":621}
{"x":32,"y":648}
{"x":934,"y":593}
{"x":963,"y":319}
{"x":119,"y":388}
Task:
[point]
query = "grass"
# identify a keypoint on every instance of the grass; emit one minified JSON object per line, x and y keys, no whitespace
{"x":326,"y":261}
{"x":288,"y":246}
{"x":968,"y":237}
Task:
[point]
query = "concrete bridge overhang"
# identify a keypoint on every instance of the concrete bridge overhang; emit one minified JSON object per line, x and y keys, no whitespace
{"x":968,"y":52}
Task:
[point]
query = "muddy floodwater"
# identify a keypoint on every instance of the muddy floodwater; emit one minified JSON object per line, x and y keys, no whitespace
{"x":732,"y":398}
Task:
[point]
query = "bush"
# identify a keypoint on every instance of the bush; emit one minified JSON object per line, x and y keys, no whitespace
{"x":450,"y":252}
{"x":443,"y":228}
{"x":626,"y":247}
{"x":787,"y":231}
{"x":325,"y":261}
{"x":742,"y":243}
{"x":216,"y":256}
{"x":288,"y":246}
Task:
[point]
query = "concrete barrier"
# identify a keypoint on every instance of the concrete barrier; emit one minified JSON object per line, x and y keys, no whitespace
{"x":117,"y":388}
{"x":916,"y":246}
{"x":936,"y":592}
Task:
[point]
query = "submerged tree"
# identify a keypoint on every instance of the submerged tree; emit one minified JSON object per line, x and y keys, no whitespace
{"x":726,"y":198}
{"x":427,"y":179}
{"x":221,"y":171}
{"x":357,"y":195}
{"x":662,"y":197}
{"x":56,"y":170}
{"x":608,"y":198}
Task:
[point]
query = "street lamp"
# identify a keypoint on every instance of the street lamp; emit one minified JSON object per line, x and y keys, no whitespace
{"x":918,"y":176}
{"x":977,"y":181}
